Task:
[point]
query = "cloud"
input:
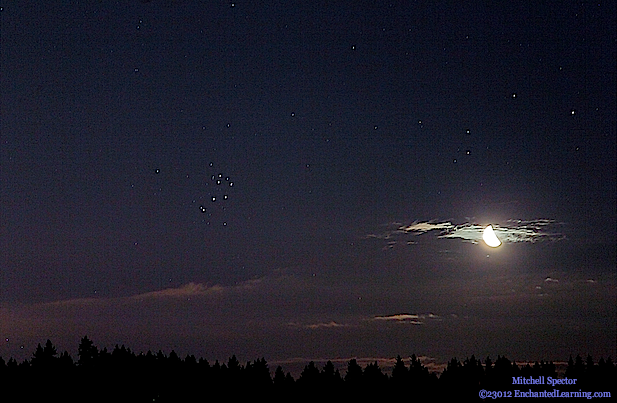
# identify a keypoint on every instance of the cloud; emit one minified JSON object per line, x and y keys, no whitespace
{"x":189,"y":309}
{"x":467,"y":232}
{"x":192,"y":314}
{"x":423,"y":227}
{"x":513,"y":231}
{"x":331,"y":324}
{"x":414,"y":319}
{"x":400,"y":316}
{"x":185,"y":291}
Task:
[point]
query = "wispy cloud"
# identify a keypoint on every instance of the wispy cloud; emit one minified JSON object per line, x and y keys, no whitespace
{"x":422,"y":227}
{"x":185,"y":291}
{"x":414,"y":319}
{"x":193,"y":305}
{"x":512,"y":231}
{"x":321,"y":325}
{"x":400,"y":316}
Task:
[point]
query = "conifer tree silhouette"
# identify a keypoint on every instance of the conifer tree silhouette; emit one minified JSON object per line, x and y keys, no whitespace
{"x":44,"y":357}
{"x":150,"y":377}
{"x":373,"y":376}
{"x":399,"y":372}
{"x":353,"y":377}
{"x":330,"y":377}
{"x":87,"y":352}
{"x":309,"y":378}
{"x":283,"y":383}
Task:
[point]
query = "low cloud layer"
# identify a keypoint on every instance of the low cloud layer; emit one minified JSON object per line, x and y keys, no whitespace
{"x":414,"y":319}
{"x":321,"y":325}
{"x":374,"y":315}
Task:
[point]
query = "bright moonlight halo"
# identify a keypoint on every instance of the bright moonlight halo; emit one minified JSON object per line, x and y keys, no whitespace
{"x":490,"y":238}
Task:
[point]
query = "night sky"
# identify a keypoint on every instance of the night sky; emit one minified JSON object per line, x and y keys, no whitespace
{"x":309,"y":179}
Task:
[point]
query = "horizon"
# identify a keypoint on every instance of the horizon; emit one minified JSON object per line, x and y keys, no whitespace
{"x":296,"y":365}
{"x":160,"y":377}
{"x":306,"y":179}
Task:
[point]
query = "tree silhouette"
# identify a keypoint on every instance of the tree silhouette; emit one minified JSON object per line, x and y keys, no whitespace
{"x":473,"y":373}
{"x":399,"y":372}
{"x":330,"y":377}
{"x":452,"y":373}
{"x":44,"y":357}
{"x":231,"y":371}
{"x":282,"y":381}
{"x":606,"y":373}
{"x":354,"y":372}
{"x":87,"y":352}
{"x":12,"y":364}
{"x":373,"y":376}
{"x":503,"y":371}
{"x":576,"y":368}
{"x":419,"y":376}
{"x":258,"y":376}
{"x":309,"y":377}
{"x":65,"y":361}
{"x":488,"y":372}
{"x":103,"y":375}
{"x":353,"y":386}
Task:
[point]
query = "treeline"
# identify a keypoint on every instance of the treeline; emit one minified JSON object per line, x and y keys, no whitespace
{"x":122,"y":375}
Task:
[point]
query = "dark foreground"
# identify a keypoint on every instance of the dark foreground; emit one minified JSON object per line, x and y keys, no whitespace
{"x":122,"y":375}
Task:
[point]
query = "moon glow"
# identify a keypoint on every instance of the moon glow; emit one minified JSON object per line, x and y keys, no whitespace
{"x":490,"y":238}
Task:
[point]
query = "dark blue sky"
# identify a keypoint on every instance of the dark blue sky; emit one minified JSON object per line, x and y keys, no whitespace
{"x":334,"y":130}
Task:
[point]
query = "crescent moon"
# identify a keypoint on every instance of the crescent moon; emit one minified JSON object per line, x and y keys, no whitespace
{"x":490,"y":238}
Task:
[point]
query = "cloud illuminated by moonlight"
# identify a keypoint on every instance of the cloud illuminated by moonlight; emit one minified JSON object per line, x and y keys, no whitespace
{"x":512,"y":231}
{"x":414,"y":319}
